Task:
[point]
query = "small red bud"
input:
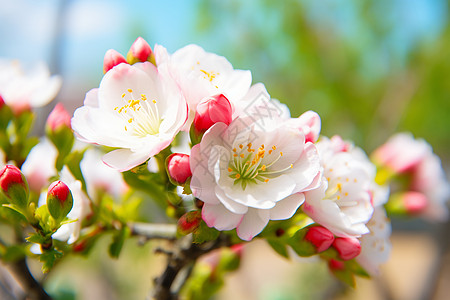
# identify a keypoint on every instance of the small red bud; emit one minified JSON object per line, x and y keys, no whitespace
{"x":58,"y":117}
{"x":2,"y":102}
{"x":212,"y":110}
{"x":347,"y":247}
{"x":14,"y":185}
{"x":112,"y":59}
{"x":414,"y":202}
{"x":320,"y":237}
{"x":189,"y":222}
{"x":59,"y":200}
{"x":141,"y":49}
{"x":178,"y":168}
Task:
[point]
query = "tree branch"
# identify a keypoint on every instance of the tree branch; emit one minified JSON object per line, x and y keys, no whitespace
{"x":184,"y":255}
{"x":154,"y":231}
{"x":31,"y":287}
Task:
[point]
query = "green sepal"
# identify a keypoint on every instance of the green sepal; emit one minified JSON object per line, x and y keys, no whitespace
{"x":204,"y":234}
{"x":279,"y":246}
{"x":59,"y":208}
{"x":36,"y":238}
{"x":16,"y":209}
{"x":356,"y":268}
{"x":346,"y":276}
{"x":299,"y":245}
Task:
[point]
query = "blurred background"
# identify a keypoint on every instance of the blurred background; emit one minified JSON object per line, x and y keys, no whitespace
{"x":368,"y":67}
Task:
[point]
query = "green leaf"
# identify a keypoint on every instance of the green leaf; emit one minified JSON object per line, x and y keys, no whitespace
{"x":279,"y":246}
{"x":119,"y":238}
{"x":204,"y":234}
{"x":37,"y":239}
{"x":356,"y":268}
{"x":346,"y":276}
{"x":49,"y":258}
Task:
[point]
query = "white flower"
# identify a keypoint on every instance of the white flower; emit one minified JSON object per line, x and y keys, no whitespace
{"x":247,"y":175}
{"x":39,"y":166}
{"x":201,"y":74}
{"x":375,"y":245}
{"x":99,"y":176}
{"x":429,"y":179}
{"x":343,"y":203}
{"x":22,"y":89}
{"x":136,"y":109}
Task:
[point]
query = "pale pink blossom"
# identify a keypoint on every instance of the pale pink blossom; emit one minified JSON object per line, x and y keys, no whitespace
{"x":202,"y":74}
{"x":401,"y":152}
{"x":375,"y":245}
{"x":39,"y":166}
{"x":343,"y":203}
{"x":247,"y":175}
{"x":27,"y":88}
{"x":136,"y":109}
{"x":421,"y":169}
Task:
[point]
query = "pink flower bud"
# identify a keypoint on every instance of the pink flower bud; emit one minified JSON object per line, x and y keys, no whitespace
{"x":59,"y":200}
{"x":414,"y":202}
{"x":212,"y":110}
{"x":347,"y":247}
{"x":14,"y":185}
{"x":140,"y":50}
{"x":320,"y":237}
{"x":2,"y":102}
{"x":189,"y":222}
{"x":58,"y":117}
{"x":112,"y":59}
{"x":309,"y":123}
{"x":178,"y":168}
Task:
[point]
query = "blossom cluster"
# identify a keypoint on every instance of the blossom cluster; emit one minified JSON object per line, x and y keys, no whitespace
{"x":234,"y":154}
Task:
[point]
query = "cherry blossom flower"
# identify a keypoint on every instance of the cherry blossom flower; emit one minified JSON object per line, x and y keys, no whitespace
{"x":136,"y":109}
{"x":413,"y":160}
{"x":39,"y":166}
{"x":343,"y":203}
{"x":247,"y":175}
{"x":24,"y":89}
{"x":202,"y":74}
{"x":375,"y":245}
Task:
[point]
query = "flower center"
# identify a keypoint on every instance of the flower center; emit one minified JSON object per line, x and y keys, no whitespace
{"x":247,"y":165}
{"x":141,"y":115}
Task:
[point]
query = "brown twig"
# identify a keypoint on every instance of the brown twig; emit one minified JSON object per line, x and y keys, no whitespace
{"x":184,"y":255}
{"x":32,"y":288}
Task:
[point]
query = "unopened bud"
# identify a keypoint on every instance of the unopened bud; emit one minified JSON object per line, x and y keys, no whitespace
{"x":58,"y":117}
{"x":59,"y":200}
{"x":14,"y":186}
{"x":178,"y":168}
{"x":189,"y":222}
{"x":112,"y":58}
{"x":320,"y":237}
{"x":210,"y":111}
{"x":414,"y":202}
{"x":140,"y":51}
{"x":347,"y":247}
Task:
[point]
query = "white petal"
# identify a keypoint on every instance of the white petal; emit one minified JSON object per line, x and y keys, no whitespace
{"x":91,"y":98}
{"x":230,"y":204}
{"x":202,"y":181}
{"x":287,"y":207}
{"x":219,"y":217}
{"x":253,"y":223}
{"x":124,"y":159}
{"x":306,"y":168}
